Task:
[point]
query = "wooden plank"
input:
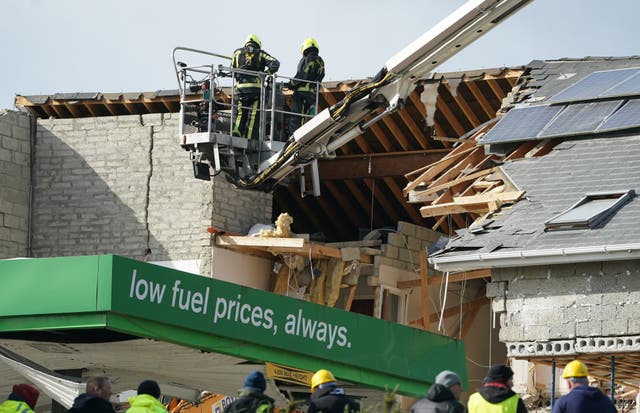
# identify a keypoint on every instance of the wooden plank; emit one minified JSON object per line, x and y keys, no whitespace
{"x":509,"y":196}
{"x":461,"y":276}
{"x":433,"y":190}
{"x":472,"y":161}
{"x":455,"y":310}
{"x":364,"y":203}
{"x":352,"y":294}
{"x":467,"y":320}
{"x":424,"y":289}
{"x":451,"y":208}
{"x":382,"y":199}
{"x":276,"y":245}
{"x":521,"y":150}
{"x":454,"y":277}
{"x":481,"y":98}
{"x":396,"y":132}
{"x":416,"y":131}
{"x":377,"y":165}
{"x":439,"y":166}
{"x":382,"y":137}
{"x":262,"y":242}
{"x":344,"y":203}
{"x":415,"y":216}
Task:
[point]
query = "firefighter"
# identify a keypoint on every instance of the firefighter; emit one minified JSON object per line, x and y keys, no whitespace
{"x":581,"y":397}
{"x":311,"y":69}
{"x":251,"y":398}
{"x":328,"y":397}
{"x":23,"y":399}
{"x":246,"y":111}
{"x":495,"y":394}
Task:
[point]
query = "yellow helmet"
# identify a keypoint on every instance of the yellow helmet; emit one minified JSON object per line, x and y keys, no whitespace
{"x":253,"y":38}
{"x":310,"y":42}
{"x":576,"y":368}
{"x":321,"y":377}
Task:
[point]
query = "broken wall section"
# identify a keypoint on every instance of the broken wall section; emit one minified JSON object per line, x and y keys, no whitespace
{"x":568,"y":309}
{"x":15,"y":166}
{"x":123,"y":185}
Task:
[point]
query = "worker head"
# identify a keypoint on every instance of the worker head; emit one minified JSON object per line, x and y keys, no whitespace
{"x":100,"y":386}
{"x":26,"y":393}
{"x":253,"y":39}
{"x":451,"y":380}
{"x":255,"y":382}
{"x":149,"y":387}
{"x":308,"y":44}
{"x":576,"y":374}
{"x":322,"y":378}
{"x":500,"y":373}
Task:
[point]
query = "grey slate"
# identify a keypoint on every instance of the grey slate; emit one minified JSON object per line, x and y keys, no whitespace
{"x":555,"y":182}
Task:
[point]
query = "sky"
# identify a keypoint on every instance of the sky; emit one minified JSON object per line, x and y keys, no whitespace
{"x":66,"y":46}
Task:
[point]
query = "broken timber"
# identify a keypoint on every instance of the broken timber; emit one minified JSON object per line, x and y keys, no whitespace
{"x":297,"y":246}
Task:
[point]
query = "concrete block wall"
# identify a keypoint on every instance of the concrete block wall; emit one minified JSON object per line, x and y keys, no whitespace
{"x":403,"y":247}
{"x":123,"y":185}
{"x":593,"y":306}
{"x":15,"y":167}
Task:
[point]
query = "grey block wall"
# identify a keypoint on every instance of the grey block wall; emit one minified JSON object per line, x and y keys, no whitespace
{"x":123,"y":185}
{"x":14,"y":183}
{"x":570,"y":307}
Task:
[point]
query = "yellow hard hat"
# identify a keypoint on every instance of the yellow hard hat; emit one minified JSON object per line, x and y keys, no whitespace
{"x":321,"y":377}
{"x":576,"y":368}
{"x":310,"y":42}
{"x":253,"y":38}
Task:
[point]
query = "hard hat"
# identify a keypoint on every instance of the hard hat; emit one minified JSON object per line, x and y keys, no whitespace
{"x":310,"y":42}
{"x":321,"y":377}
{"x":253,"y":38}
{"x":576,"y":368}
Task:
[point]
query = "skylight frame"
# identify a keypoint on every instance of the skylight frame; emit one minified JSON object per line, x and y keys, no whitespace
{"x":555,"y":223}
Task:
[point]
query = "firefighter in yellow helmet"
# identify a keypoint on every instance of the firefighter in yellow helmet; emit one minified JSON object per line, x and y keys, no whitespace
{"x":246,"y":113}
{"x":305,"y":83}
{"x":495,"y":394}
{"x":581,"y":397}
{"x":328,"y":397}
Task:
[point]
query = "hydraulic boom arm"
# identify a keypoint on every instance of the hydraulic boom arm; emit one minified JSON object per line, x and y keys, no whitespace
{"x":337,"y":125}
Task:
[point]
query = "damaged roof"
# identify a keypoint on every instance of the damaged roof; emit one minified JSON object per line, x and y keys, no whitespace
{"x":577,"y":166}
{"x":362,"y":187}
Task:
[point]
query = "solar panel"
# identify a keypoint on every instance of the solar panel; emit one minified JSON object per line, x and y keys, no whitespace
{"x":627,"y":117}
{"x":520,"y":124}
{"x":580,"y":118}
{"x":630,"y":86}
{"x":597,"y":85}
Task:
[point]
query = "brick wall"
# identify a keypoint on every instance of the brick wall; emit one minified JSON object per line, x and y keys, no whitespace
{"x":562,"y":309}
{"x":123,"y":184}
{"x":14,"y":183}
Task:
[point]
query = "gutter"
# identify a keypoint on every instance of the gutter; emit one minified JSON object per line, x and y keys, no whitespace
{"x":530,"y":258}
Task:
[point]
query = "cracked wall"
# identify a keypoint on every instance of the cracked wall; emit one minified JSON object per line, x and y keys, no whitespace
{"x":568,"y":309}
{"x":15,"y":167}
{"x":123,"y":185}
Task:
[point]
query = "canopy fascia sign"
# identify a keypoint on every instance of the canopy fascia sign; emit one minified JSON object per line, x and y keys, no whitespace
{"x":146,"y":300}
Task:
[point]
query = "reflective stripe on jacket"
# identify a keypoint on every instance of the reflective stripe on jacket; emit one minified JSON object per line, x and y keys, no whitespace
{"x":477,"y":404}
{"x":257,"y":60}
{"x":13,"y":406}
{"x":310,"y":67}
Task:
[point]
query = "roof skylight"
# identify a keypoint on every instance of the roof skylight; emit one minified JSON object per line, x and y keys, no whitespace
{"x":590,"y":211}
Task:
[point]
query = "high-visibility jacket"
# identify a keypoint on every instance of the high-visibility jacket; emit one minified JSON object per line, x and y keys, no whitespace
{"x":310,"y":67}
{"x":145,"y":403}
{"x":477,"y":404}
{"x":252,"y":58}
{"x":13,"y":406}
